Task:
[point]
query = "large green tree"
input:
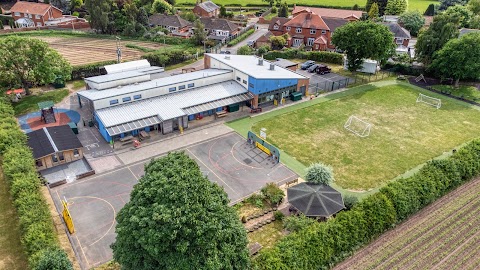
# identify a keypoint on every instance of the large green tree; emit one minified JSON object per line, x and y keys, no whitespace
{"x":177,"y":219}
{"x":373,"y":13}
{"x":432,"y":39}
{"x":31,"y":62}
{"x":382,"y":4}
{"x":199,"y":34}
{"x":459,"y":58}
{"x":361,"y":40}
{"x":444,"y":4}
{"x":283,"y":10}
{"x":474,"y":6}
{"x":396,"y":7}
{"x":99,"y":11}
{"x":55,"y":259}
{"x":461,"y":14}
{"x":413,"y":21}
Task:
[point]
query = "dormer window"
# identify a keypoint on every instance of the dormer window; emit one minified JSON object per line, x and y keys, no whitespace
{"x":313,"y":31}
{"x":288,"y":28}
{"x":324,"y":32}
{"x":275,"y":27}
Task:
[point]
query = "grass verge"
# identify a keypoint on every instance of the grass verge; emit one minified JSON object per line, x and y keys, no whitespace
{"x":29,"y":103}
{"x":267,"y":235}
{"x":466,"y":92}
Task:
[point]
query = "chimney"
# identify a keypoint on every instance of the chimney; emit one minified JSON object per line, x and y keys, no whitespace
{"x":272,"y":67}
{"x":260,"y":61}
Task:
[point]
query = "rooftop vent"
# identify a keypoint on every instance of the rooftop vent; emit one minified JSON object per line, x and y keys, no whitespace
{"x":227,"y":57}
{"x":272,"y":67}
{"x":260,"y":61}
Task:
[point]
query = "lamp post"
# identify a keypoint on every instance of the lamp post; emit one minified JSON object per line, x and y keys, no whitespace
{"x":119,"y":50}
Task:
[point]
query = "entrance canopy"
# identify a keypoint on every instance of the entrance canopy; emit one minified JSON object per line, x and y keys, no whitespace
{"x":45,"y":104}
{"x":315,"y":200}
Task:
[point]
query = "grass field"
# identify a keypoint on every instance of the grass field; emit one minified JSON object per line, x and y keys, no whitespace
{"x":466,"y":92}
{"x":445,"y":235}
{"x":420,"y":5}
{"x":29,"y":103}
{"x":404,"y":134}
{"x":12,"y":256}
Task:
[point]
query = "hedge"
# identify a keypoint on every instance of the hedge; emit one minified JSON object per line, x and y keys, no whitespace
{"x":89,"y":70}
{"x":322,"y":245}
{"x":243,"y":36}
{"x":320,"y":56}
{"x":38,"y":234}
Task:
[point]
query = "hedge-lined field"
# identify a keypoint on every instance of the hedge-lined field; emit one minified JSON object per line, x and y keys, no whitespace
{"x":324,"y":244}
{"x":38,"y":235}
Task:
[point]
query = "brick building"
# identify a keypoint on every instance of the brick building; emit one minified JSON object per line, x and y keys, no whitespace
{"x":31,"y":14}
{"x":206,"y":9}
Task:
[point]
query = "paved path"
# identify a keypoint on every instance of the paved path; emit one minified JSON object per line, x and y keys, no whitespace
{"x":262,"y":30}
{"x":147,"y":151}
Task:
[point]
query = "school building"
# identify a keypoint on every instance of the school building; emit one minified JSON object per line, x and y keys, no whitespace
{"x":132,"y":97}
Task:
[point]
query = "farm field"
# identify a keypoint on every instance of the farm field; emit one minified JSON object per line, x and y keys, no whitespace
{"x":404,"y":134}
{"x":444,"y":235}
{"x":420,"y":5}
{"x":84,"y":50}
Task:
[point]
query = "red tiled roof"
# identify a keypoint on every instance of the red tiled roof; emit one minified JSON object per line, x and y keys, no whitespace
{"x":31,"y":8}
{"x":280,"y":21}
{"x":329,"y":12}
{"x":307,"y":20}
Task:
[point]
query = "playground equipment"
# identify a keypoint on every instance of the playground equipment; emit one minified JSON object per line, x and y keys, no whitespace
{"x":66,"y":217}
{"x":47,"y":113}
{"x":136,"y":143}
{"x":267,"y":148}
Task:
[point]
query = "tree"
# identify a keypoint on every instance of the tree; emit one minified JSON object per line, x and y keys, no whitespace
{"x":350,"y":201}
{"x":31,"y":61}
{"x":199,"y":34}
{"x":319,"y":173}
{"x":396,"y":7}
{"x":223,"y":11}
{"x":461,"y":14}
{"x":75,"y":4}
{"x":160,"y":6}
{"x":278,"y":42}
{"x":474,"y":6}
{"x":61,"y":4}
{"x":363,"y":39}
{"x":55,"y":259}
{"x":283,"y":11}
{"x":298,"y":223}
{"x":413,"y":21}
{"x":432,"y":39}
{"x":263,"y":50}
{"x":444,"y":4}
{"x":459,"y":58}
{"x":245,"y":50}
{"x":99,"y":11}
{"x":177,"y":219}
{"x":430,"y":11}
{"x":273,"y":193}
{"x":475,"y":22}
{"x":382,"y":4}
{"x":373,"y":13}
{"x":189,"y":16}
{"x":270,"y":2}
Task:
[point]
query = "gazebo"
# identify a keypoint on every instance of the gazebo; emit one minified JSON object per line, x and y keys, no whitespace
{"x":46,"y":111}
{"x":315,"y":200}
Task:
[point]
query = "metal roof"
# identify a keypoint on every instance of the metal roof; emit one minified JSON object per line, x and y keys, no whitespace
{"x":162,"y":82}
{"x":249,"y":64}
{"x":317,"y":200}
{"x":45,"y":104}
{"x":132,"y":65}
{"x":171,"y":106}
{"x":115,"y":76}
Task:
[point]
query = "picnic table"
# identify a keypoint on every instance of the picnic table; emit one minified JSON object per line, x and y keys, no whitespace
{"x":221,"y":114}
{"x":126,"y":138}
{"x":144,"y":134}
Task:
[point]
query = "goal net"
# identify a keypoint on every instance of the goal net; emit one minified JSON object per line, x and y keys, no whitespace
{"x":435,"y":102}
{"x":357,"y":126}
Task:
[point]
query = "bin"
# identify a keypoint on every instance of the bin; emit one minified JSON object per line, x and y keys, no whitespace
{"x":295,"y":96}
{"x":74,"y":127}
{"x":233,"y":108}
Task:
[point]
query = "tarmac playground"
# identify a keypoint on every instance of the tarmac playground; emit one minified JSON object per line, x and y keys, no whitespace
{"x":229,"y":160}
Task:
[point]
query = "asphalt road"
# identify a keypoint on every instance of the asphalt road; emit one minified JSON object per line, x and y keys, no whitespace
{"x":262,"y":30}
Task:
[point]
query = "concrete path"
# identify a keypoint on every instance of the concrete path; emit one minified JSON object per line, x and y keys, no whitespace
{"x":262,"y":30}
{"x":147,"y":151}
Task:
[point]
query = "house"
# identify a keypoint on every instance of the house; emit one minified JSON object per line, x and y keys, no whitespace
{"x":276,"y":25}
{"x":263,"y":40}
{"x":465,"y":31}
{"x":220,"y":29}
{"x":206,"y":9}
{"x":311,"y":30}
{"x":176,"y":25}
{"x":350,"y":15}
{"x":52,"y":146}
{"x":31,"y":14}
{"x":401,"y":36}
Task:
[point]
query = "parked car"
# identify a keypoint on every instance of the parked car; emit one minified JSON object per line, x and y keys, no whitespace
{"x":251,"y":43}
{"x":307,"y":64}
{"x":312,"y":68}
{"x":322,"y":69}
{"x":225,"y":52}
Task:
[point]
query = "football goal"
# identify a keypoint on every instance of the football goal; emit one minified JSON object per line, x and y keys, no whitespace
{"x":357,"y":126}
{"x":435,"y":102}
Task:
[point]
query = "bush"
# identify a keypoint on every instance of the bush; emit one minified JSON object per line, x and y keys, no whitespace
{"x":319,"y":173}
{"x":273,"y":194}
{"x":278,"y":215}
{"x":54,"y":259}
{"x":350,"y":201}
{"x":256,"y":200}
{"x":297,"y":223}
{"x":243,"y":36}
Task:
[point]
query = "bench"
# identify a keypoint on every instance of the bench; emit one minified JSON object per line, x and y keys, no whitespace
{"x":126,"y":138}
{"x":293,"y":182}
{"x":254,"y":248}
{"x":221,"y":114}
{"x":144,"y":134}
{"x":255,"y":110}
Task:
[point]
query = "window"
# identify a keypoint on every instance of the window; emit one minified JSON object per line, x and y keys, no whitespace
{"x":399,"y":40}
{"x":75,"y":153}
{"x":251,"y":85}
{"x":172,"y":89}
{"x":126,"y":99}
{"x":54,"y":158}
{"x":29,"y":15}
{"x":244,"y":82}
{"x":288,"y":28}
{"x":310,"y":41}
{"x":181,"y":87}
{"x":313,"y":31}
{"x":60,"y":156}
{"x":137,"y":97}
{"x":18,"y":14}
{"x":238,"y":79}
{"x":275,"y":27}
{"x":113,"y":101}
{"x":298,"y":30}
{"x":39,"y":24}
{"x":324,"y":32}
{"x":297,"y":42}
{"x":190,"y":85}
{"x":39,"y":163}
{"x":37,"y":16}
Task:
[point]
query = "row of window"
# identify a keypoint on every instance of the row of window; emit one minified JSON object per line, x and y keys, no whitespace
{"x":26,"y":15}
{"x":125,"y":99}
{"x":240,"y":80}
{"x":56,"y":157}
{"x":180,"y":87}
{"x":299,"y":30}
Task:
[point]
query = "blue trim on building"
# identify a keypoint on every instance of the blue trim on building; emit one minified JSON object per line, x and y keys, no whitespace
{"x":260,"y":86}
{"x":102,"y":129}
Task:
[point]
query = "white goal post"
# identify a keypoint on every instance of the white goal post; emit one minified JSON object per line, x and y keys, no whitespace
{"x":357,"y":126}
{"x":435,"y":102}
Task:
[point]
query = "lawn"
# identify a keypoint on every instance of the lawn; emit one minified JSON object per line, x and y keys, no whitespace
{"x":420,"y":5}
{"x":465,"y":91}
{"x":404,"y":134}
{"x":12,"y":255}
{"x":29,"y":103}
{"x":267,"y":235}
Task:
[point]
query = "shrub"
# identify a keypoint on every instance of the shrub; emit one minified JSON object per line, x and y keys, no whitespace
{"x":319,"y":173}
{"x":256,"y":200}
{"x":297,"y":223}
{"x":278,"y":215}
{"x":272,"y":193}
{"x":54,"y":259}
{"x":350,"y":201}
{"x":243,"y":36}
